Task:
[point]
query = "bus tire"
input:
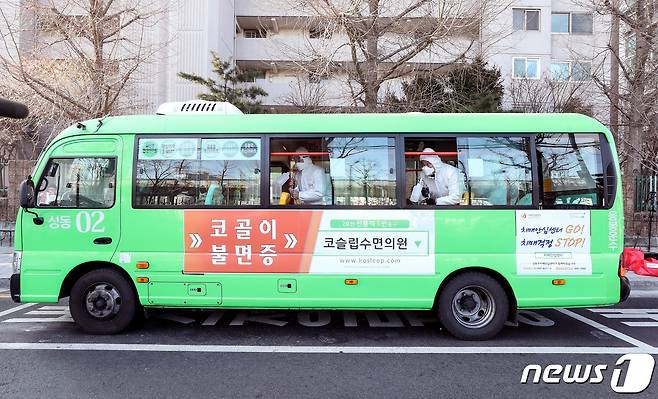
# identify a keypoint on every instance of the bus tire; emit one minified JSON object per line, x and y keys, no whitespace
{"x":103,"y":302}
{"x":473,"y":306}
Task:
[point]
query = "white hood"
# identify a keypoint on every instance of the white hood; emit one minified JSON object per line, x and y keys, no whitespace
{"x":435,"y":160}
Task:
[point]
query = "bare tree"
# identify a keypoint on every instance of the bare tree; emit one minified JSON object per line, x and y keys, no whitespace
{"x":547,"y":95}
{"x":365,"y":170}
{"x":24,"y":138}
{"x":81,"y":56}
{"x":631,"y":86}
{"x":633,"y":93}
{"x":305,"y":97}
{"x":375,"y":42}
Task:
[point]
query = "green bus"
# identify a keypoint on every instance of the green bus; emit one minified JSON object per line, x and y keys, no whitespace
{"x":472,"y":216}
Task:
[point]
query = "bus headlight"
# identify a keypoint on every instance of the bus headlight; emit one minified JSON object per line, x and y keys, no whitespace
{"x":16,"y":262}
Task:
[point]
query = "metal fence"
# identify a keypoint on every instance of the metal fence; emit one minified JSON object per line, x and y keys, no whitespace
{"x":645,"y":193}
{"x":12,"y":173}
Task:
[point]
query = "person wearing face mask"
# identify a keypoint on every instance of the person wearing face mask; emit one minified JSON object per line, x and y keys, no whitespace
{"x":439,"y":182}
{"x":308,"y":184}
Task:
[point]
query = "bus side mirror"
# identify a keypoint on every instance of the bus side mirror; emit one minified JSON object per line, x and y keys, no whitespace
{"x":27,"y":194}
{"x":28,"y":199}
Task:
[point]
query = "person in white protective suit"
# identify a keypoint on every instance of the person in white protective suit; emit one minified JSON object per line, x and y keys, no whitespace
{"x":308,"y":185}
{"x":439,"y":183}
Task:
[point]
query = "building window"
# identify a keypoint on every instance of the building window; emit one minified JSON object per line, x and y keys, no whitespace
{"x":525,"y":67}
{"x":254,"y":74}
{"x":581,"y":23}
{"x":318,"y":77}
{"x":560,"y":70}
{"x":319,"y":33}
{"x":571,"y":71}
{"x":571,"y":23}
{"x":581,"y":71}
{"x":254,"y":34}
{"x":560,"y":23}
{"x":524,"y":19}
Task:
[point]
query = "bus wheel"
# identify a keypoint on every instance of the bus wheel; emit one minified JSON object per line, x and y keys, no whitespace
{"x":103,"y":302}
{"x":473,"y":306}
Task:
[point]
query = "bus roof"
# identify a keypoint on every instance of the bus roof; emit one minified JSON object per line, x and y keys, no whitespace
{"x":339,"y":123}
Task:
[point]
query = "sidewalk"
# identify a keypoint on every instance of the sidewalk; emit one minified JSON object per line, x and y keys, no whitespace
{"x":642,"y":283}
{"x":5,"y":261}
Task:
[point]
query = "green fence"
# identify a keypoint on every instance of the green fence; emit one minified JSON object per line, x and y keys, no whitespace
{"x":645,"y":193}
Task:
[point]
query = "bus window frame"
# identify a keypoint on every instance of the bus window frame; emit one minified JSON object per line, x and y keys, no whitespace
{"x":533,"y":165}
{"x":201,"y":136}
{"x":398,"y":187}
{"x":606,"y":159}
{"x":400,"y":175}
{"x":114,"y":189}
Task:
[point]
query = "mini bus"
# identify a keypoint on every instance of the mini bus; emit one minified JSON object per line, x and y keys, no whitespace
{"x":471,"y":216}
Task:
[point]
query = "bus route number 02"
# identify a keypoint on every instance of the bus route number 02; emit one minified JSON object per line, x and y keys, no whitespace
{"x":87,"y":222}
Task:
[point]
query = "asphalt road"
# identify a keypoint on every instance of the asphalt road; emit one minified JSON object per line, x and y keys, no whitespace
{"x":235,"y":354}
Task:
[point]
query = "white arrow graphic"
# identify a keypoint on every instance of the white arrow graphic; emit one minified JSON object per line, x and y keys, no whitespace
{"x":196,"y":240}
{"x":291,"y":240}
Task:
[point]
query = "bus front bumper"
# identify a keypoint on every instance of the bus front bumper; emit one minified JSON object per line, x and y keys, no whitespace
{"x":15,"y":287}
{"x":625,"y":289}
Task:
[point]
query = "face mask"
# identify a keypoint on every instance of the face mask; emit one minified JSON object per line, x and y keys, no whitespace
{"x":301,"y":165}
{"x":428,"y":170}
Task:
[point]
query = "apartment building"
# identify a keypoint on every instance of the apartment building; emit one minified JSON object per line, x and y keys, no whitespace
{"x":533,"y":42}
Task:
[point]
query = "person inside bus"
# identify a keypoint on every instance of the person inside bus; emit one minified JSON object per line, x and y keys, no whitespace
{"x":439,"y":183}
{"x":307,"y":186}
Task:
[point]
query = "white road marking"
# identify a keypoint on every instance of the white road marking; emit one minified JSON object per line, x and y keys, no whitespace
{"x":324,"y":349}
{"x":213,"y":318}
{"x":58,"y":313}
{"x":46,"y":312}
{"x":641,"y":323}
{"x":54,"y":308}
{"x":16,"y":309}
{"x":608,"y":310}
{"x":65,"y":319}
{"x":175,"y":317}
{"x":608,"y":330}
{"x":651,"y":314}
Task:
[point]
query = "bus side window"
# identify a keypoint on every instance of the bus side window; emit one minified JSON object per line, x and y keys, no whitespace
{"x":432,"y":171}
{"x":334,"y":170}
{"x":480,"y":170}
{"x":571,"y":170}
{"x":192,"y":172}
{"x":229,"y":172}
{"x":497,"y":170}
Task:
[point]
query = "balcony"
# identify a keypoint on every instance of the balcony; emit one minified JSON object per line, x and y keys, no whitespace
{"x":291,"y":47}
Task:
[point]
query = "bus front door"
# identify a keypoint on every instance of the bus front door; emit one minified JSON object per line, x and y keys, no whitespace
{"x":77,"y":201}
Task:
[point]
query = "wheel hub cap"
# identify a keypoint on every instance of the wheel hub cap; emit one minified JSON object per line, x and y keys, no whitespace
{"x":103,"y":300}
{"x":473,"y":307}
